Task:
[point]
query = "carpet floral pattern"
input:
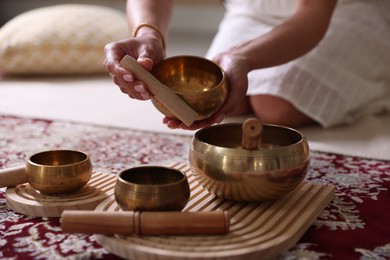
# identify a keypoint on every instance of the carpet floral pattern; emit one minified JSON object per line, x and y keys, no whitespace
{"x":355,"y":225}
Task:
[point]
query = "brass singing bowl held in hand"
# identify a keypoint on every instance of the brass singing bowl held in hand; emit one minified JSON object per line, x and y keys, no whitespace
{"x":201,"y":83}
{"x":267,"y":172}
{"x":152,"y":188}
{"x":58,"y":171}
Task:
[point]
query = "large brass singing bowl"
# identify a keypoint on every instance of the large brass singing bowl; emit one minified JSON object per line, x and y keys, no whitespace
{"x":152,"y":188}
{"x":231,"y":172}
{"x":201,"y":83}
{"x":58,"y":171}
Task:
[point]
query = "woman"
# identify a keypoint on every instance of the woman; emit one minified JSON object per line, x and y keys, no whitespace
{"x":289,"y":62}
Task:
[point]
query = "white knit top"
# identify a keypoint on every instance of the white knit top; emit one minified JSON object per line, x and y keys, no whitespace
{"x":345,"y":77}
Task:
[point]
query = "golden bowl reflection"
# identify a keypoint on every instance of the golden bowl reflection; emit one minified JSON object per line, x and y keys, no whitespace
{"x":225,"y":169}
{"x":201,"y":83}
{"x":58,"y":171}
{"x":152,"y":188}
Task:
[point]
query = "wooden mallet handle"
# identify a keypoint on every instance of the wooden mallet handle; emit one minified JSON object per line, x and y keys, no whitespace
{"x":12,"y":176}
{"x":145,"y":223}
{"x":251,"y":134}
{"x":161,"y":92}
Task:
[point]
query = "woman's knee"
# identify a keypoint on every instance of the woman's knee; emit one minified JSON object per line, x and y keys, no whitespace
{"x":276,"y":110}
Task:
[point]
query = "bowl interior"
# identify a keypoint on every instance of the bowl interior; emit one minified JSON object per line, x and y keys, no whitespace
{"x":58,"y":158}
{"x":230,"y":136}
{"x":151,"y":176}
{"x":188,"y":74}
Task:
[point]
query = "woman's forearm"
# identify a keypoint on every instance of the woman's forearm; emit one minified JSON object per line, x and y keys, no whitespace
{"x":156,"y":12}
{"x":291,"y":39}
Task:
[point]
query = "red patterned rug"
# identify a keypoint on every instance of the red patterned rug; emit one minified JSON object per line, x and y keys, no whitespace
{"x":355,"y":225}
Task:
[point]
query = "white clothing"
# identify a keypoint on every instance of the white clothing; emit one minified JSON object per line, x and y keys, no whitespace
{"x":343,"y":78}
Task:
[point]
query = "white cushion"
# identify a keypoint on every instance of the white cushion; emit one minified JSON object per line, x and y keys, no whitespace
{"x":60,"y":39}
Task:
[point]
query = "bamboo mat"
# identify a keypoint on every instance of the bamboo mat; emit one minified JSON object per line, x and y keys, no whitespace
{"x":258,"y":230}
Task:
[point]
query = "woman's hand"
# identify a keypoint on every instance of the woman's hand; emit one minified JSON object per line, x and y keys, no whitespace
{"x":236,"y":72}
{"x":146,"y":48}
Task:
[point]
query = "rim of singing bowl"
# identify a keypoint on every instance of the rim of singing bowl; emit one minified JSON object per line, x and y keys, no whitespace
{"x":63,"y":158}
{"x":150,"y":170}
{"x":212,"y":138}
{"x":188,"y":59}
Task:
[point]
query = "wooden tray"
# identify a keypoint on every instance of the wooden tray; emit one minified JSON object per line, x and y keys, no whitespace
{"x":26,"y":200}
{"x":258,"y":230}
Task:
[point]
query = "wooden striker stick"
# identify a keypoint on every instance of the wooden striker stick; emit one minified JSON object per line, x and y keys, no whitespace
{"x":12,"y":176}
{"x":161,"y":92}
{"x":251,"y":134}
{"x":145,"y":223}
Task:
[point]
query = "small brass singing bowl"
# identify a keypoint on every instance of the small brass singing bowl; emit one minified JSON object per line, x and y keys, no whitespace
{"x":225,"y":169}
{"x":58,"y":171}
{"x":201,"y":83}
{"x":152,"y":188}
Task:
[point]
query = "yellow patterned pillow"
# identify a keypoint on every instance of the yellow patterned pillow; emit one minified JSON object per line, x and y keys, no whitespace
{"x":60,"y":39}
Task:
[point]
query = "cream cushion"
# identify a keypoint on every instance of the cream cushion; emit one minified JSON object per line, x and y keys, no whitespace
{"x":60,"y":39}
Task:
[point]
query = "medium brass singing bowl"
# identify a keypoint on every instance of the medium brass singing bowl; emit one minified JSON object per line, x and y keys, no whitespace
{"x":201,"y":83}
{"x":58,"y":171}
{"x":152,"y":188}
{"x":273,"y":170}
